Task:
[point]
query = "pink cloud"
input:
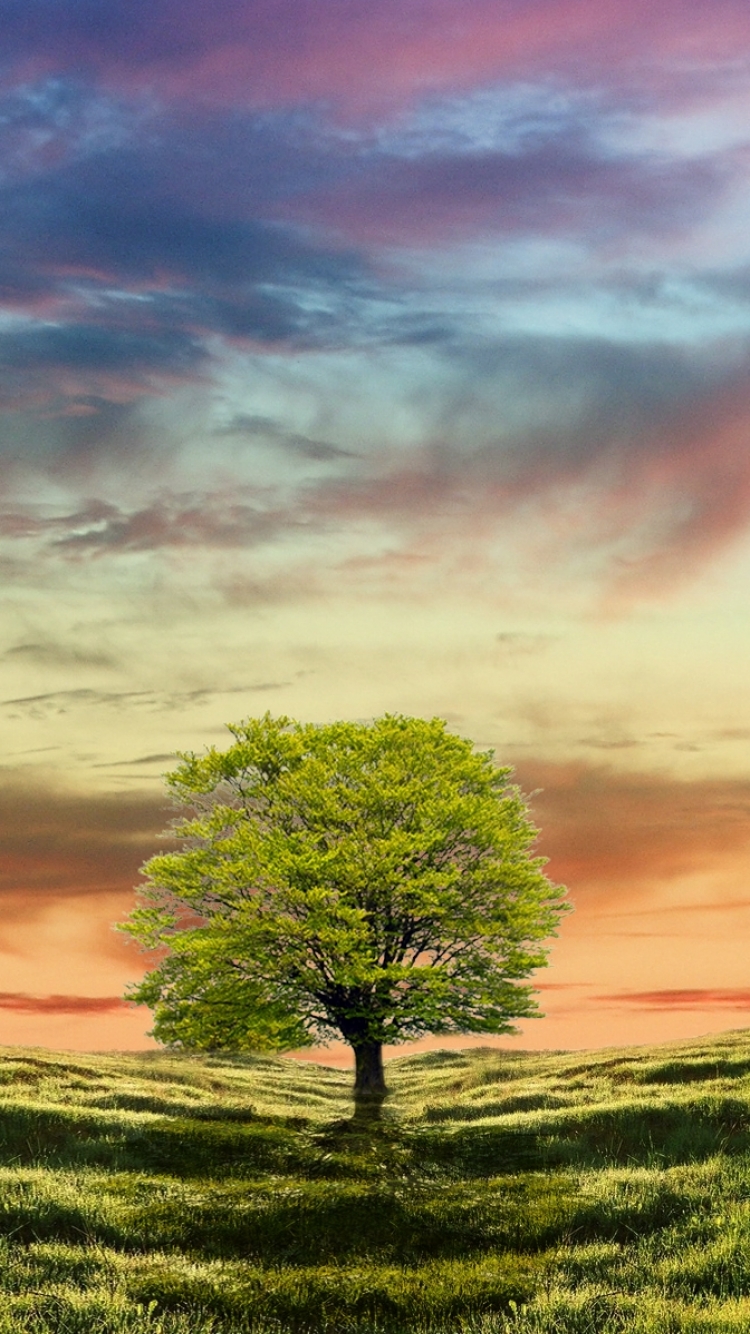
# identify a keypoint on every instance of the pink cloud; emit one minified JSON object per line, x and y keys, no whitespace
{"x":361,"y":55}
{"x":687,"y":998}
{"x":23,"y":1003}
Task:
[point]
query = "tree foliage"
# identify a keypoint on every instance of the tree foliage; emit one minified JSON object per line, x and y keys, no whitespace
{"x":368,"y":881}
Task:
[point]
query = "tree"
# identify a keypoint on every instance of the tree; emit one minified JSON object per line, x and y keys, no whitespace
{"x":368,"y":881}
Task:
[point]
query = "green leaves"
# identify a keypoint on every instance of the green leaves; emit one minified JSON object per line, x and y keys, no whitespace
{"x":374,"y":880}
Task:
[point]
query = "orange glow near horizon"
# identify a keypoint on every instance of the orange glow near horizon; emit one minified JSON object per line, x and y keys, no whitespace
{"x":655,"y":947}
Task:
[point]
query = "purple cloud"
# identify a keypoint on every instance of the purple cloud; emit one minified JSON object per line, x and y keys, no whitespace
{"x":557,"y":188}
{"x":360,"y":55}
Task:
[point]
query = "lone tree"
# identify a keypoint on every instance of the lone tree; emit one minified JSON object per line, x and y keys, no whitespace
{"x":368,"y":881}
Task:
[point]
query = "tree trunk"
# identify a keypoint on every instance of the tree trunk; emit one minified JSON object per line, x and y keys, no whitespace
{"x":369,"y":1083}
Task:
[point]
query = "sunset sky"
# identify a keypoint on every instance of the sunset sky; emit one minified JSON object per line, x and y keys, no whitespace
{"x":380,"y":355}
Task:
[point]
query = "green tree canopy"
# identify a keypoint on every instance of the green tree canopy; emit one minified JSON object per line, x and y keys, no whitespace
{"x":368,"y":881}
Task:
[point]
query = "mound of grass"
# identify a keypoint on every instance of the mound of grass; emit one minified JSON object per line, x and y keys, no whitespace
{"x":501,"y":1193}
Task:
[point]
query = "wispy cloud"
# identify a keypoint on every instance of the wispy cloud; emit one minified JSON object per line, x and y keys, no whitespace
{"x":23,"y":1003}
{"x":188,"y":520}
{"x":140,"y":760}
{"x":642,"y":499}
{"x":54,"y":702}
{"x":48,"y":653}
{"x":266,"y":429}
{"x":696,"y":998}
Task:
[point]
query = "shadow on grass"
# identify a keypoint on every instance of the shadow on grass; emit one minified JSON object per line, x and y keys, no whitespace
{"x":689,"y":1072}
{"x":663,"y":1134}
{"x":181,"y":1146}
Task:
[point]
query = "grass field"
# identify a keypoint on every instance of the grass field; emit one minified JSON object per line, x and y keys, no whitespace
{"x":553,"y":1193}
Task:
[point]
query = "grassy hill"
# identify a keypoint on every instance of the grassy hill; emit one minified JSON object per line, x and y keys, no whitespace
{"x":558,"y":1193}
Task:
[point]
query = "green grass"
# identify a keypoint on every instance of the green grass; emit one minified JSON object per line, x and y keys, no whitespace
{"x":502,"y":1193}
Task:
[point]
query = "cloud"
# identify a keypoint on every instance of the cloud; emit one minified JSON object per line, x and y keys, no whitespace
{"x":131,"y":237}
{"x":561,"y":986}
{"x":108,"y":215}
{"x":686,"y":497}
{"x":626,"y":462}
{"x":118,"y":268}
{"x":360,"y":55}
{"x":706,"y":998}
{"x":635,"y":470}
{"x":152,"y":243}
{"x":86,"y":347}
{"x":606,"y":831}
{"x":140,"y":760}
{"x":200,"y":521}
{"x":66,"y":434}
{"x":47,"y":653}
{"x":60,"y":844}
{"x":22,"y":1003}
{"x":558,"y":188}
{"x":54,"y":702}
{"x":177,"y":520}
{"x":265,"y":428}
{"x":60,"y":700}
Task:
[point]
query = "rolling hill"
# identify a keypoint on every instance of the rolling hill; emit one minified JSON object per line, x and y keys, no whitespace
{"x":549,"y":1192}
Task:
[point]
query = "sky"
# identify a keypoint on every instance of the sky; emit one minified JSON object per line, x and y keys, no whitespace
{"x":365,"y":356}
